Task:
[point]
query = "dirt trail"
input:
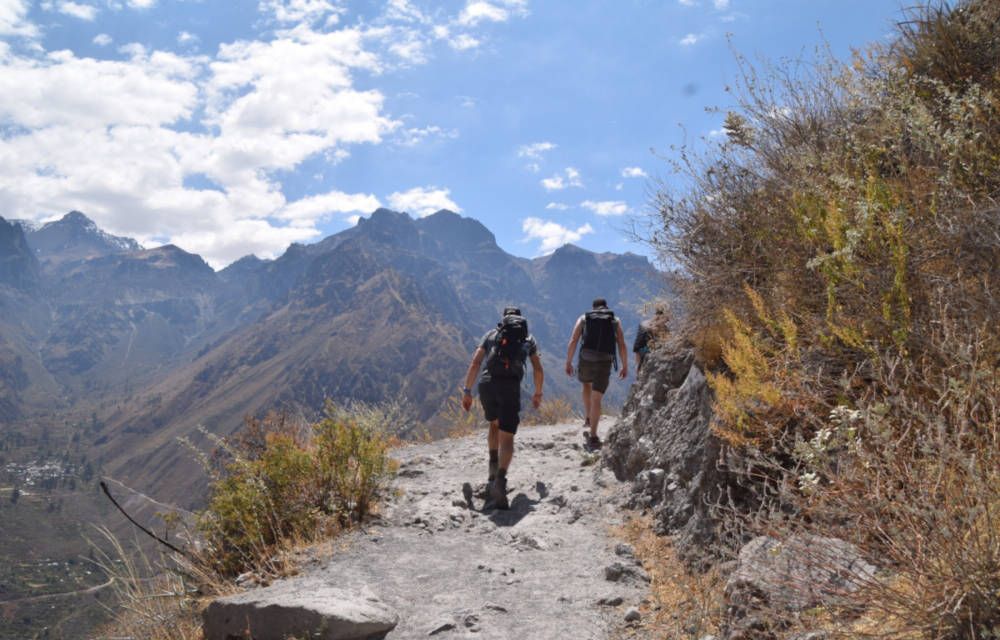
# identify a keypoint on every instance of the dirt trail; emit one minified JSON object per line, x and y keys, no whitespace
{"x":547,"y":568}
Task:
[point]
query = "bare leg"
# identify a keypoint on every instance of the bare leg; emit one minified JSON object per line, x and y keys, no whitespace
{"x":506,"y":449}
{"x":595,"y":410}
{"x":493,"y":435}
{"x":586,"y":400}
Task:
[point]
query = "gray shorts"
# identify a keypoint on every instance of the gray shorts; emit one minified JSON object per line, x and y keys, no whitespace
{"x":598,"y":374}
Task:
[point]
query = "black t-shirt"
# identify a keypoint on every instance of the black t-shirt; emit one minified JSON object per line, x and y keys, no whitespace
{"x":488,"y":343}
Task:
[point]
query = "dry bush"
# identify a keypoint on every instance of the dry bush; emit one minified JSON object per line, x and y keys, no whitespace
{"x":912,"y":477}
{"x":839,"y":261}
{"x":456,"y":422}
{"x":155,"y":601}
{"x":276,"y":486}
{"x":292,"y":483}
{"x":551,"y":411}
{"x":685,"y":603}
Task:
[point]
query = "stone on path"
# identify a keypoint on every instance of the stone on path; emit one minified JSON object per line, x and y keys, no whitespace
{"x":441,"y":627}
{"x":310,"y":608}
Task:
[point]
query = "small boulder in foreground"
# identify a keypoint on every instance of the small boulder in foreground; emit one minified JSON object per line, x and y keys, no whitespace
{"x":304,"y":608}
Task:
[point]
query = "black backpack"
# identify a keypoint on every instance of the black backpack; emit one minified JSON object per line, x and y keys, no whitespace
{"x":599,"y":331}
{"x":506,"y":358}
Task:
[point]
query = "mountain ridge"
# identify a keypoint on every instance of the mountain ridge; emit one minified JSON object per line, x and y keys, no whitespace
{"x":154,"y":344}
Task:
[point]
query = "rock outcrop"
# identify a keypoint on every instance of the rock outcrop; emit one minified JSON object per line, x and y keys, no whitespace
{"x":777,"y":577}
{"x":304,"y":608}
{"x":664,"y":445}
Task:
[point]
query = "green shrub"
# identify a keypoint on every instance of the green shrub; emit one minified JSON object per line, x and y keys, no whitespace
{"x":284,"y":483}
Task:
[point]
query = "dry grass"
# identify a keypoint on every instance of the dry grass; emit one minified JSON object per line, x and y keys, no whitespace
{"x":684,"y":603}
{"x":551,"y":411}
{"x":838,"y":256}
{"x":155,"y":601}
{"x":281,"y":491}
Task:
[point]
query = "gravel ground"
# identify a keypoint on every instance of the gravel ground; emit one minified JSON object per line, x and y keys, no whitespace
{"x":546,"y":568}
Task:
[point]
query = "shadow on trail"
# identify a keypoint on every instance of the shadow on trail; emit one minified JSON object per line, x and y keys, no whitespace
{"x":520,"y":507}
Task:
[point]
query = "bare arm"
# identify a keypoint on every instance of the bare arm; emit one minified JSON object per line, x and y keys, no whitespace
{"x":470,"y":376}
{"x":571,"y":348}
{"x":622,"y":352}
{"x":538,"y":376}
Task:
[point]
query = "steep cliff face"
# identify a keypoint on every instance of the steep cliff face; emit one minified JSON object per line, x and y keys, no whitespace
{"x":18,"y":266}
{"x":664,"y":445}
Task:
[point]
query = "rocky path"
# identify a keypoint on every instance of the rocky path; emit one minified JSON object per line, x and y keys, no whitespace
{"x":547,"y":568}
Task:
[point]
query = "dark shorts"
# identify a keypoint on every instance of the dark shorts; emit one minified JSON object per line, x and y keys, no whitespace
{"x":501,"y":400}
{"x":598,"y":374}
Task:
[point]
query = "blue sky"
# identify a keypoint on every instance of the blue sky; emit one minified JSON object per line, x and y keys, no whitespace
{"x":239,"y":126}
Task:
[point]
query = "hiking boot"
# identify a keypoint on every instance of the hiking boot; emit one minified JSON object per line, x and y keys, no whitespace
{"x":498,"y":492}
{"x":594,"y":442}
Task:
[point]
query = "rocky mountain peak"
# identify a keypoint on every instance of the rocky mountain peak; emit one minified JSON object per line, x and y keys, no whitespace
{"x":172,"y":256}
{"x":389,"y":227}
{"x":452,"y":229}
{"x":75,"y":237}
{"x":570,"y":257}
{"x":77,"y":218}
{"x":386,"y":217}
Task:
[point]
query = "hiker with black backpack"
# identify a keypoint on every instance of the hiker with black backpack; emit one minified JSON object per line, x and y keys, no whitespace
{"x":504,"y":350}
{"x":601,"y":333}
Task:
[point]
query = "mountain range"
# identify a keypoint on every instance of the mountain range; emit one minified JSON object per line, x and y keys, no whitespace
{"x":148,"y":345}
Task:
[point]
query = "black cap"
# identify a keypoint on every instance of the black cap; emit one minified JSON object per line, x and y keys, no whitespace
{"x":600,"y":303}
{"x":511,"y":311}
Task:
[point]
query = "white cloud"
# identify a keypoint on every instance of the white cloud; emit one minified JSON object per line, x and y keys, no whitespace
{"x":634,"y":172}
{"x":409,"y":47}
{"x":467,"y":102}
{"x":689,"y":39}
{"x":307,"y":211}
{"x":63,"y":89}
{"x":721,"y":5}
{"x":99,"y":136}
{"x":619,"y":186}
{"x":534,"y":153}
{"x":186,"y":37}
{"x":414,"y":136}
{"x":477,"y":11}
{"x":193,"y":149}
{"x":687,"y":3}
{"x":14,"y":19}
{"x":606,"y":207}
{"x":404,"y":11}
{"x":558,"y":206}
{"x":423,"y":201}
{"x":299,"y":11}
{"x":77,"y":10}
{"x":534,"y":150}
{"x":551,"y":234}
{"x":240,"y":238}
{"x":570,"y":178}
{"x":463,"y":42}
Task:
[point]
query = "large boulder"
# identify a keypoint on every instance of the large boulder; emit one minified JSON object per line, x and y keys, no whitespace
{"x":798,"y":573}
{"x":303,"y":608}
{"x":775,"y":579}
{"x":664,"y":444}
